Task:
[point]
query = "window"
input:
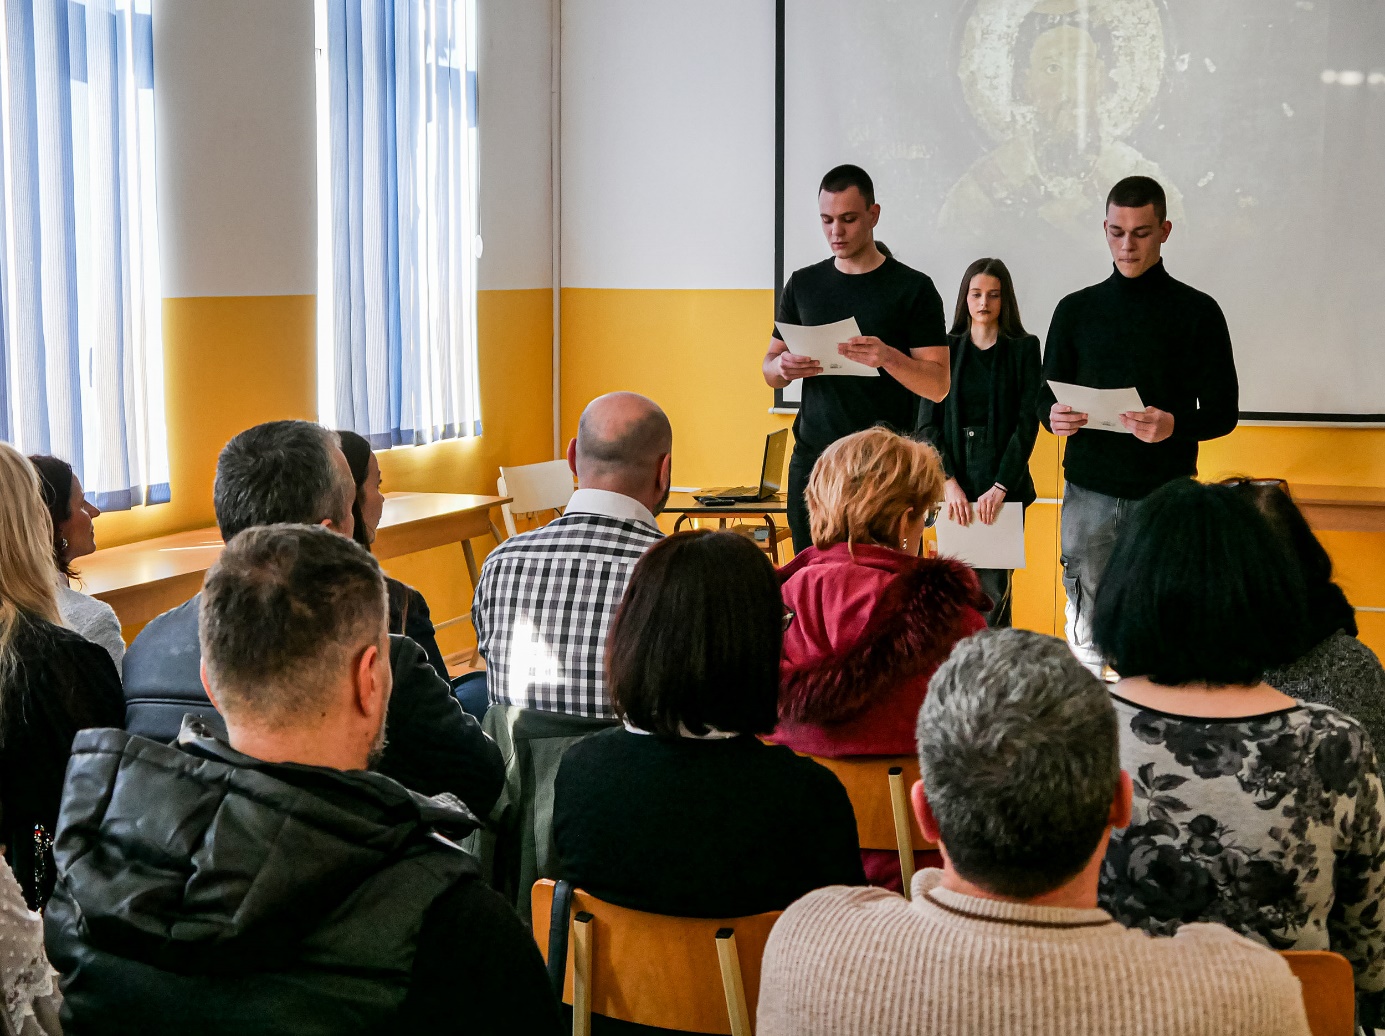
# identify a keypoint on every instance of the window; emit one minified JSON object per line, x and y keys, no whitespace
{"x":81,"y":354}
{"x":397,"y":219}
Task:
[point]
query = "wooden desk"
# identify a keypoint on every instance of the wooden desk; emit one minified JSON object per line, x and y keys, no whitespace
{"x":145,"y":579}
{"x":686,"y":507}
{"x":1341,"y":508}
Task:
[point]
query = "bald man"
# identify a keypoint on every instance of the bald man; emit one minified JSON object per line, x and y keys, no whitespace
{"x":546,"y":598}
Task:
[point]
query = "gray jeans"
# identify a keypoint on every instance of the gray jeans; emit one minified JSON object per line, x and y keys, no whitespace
{"x":1091,"y":523}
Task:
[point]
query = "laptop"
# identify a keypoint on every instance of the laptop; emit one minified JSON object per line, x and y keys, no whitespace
{"x":771,"y":475}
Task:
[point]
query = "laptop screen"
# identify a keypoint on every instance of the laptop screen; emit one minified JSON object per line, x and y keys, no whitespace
{"x":772,"y":474}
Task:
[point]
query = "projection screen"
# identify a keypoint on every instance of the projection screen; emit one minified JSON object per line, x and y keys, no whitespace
{"x":996,"y":127}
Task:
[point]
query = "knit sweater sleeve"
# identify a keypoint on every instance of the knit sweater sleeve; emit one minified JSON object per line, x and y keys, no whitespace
{"x":1060,"y":359}
{"x":1214,"y":375}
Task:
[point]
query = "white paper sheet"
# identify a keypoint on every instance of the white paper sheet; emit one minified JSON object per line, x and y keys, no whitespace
{"x":1103,"y":407}
{"x":984,"y":546}
{"x":821,"y":341}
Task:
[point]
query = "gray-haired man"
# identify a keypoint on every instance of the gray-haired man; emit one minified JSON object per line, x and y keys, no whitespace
{"x":1021,"y":787}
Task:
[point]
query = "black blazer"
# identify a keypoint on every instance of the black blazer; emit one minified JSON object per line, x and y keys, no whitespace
{"x":1014,"y":422}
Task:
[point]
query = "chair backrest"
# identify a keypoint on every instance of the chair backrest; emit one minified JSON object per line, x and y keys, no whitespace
{"x":878,"y":787}
{"x":1329,"y":990}
{"x":547,"y":486}
{"x":867,"y":783}
{"x":651,"y":969}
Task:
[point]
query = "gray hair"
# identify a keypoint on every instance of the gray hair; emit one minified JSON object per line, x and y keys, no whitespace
{"x":283,"y":611}
{"x":279,"y":471}
{"x":1020,"y":758}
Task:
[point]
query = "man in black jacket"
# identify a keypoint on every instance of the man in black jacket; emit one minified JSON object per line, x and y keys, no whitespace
{"x":294,"y":471}
{"x":274,"y":884}
{"x":1139,"y":328}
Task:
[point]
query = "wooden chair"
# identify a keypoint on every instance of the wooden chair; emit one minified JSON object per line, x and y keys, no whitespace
{"x":695,"y":974}
{"x":1329,"y":990}
{"x":535,"y":488}
{"x":878,"y":787}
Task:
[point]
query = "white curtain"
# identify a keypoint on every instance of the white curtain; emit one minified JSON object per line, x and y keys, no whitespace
{"x":81,"y":355}
{"x":397,"y":304}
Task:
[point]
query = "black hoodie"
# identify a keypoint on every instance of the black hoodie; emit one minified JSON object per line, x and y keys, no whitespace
{"x":200,"y":890}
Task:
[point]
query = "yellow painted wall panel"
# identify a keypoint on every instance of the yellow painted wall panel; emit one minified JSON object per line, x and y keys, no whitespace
{"x":695,"y":353}
{"x":229,"y":363}
{"x":1372,"y":632}
{"x":1038,"y":587}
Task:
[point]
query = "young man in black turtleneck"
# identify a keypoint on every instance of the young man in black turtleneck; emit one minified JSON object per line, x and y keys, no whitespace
{"x":1138,"y":327}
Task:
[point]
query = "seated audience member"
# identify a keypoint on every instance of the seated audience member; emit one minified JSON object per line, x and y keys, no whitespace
{"x":1021,"y":786}
{"x":684,"y":810}
{"x":1251,"y":809}
{"x":871,"y":620}
{"x":28,"y":982}
{"x":75,"y":537}
{"x":270,"y":883}
{"x":1336,"y":669}
{"x":408,"y":610}
{"x":547,"y":597}
{"x":294,"y":471}
{"x":52,"y":681}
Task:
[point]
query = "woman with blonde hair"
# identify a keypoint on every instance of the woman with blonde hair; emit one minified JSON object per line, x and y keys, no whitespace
{"x":52,"y":681}
{"x":869,"y":619}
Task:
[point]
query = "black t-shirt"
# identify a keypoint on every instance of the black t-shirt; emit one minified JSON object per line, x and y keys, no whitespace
{"x":700,"y":828}
{"x":974,"y":392}
{"x":894,"y":303}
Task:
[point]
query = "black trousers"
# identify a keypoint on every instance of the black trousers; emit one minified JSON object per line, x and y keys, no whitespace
{"x":800,"y":467}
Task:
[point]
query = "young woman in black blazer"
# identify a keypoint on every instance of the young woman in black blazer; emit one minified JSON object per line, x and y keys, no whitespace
{"x":986,"y":427}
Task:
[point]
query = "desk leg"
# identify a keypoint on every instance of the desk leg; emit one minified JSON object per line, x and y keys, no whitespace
{"x":471,"y":568}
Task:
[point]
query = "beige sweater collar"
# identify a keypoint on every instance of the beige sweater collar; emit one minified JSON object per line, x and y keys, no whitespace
{"x":928,"y":894}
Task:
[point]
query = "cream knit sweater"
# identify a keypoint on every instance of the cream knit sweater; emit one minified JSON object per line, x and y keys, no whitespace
{"x":846,"y":961}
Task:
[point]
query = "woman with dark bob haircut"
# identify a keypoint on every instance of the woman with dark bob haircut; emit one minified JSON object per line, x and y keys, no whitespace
{"x":1335,"y":668}
{"x":1252,"y":809}
{"x":683,"y":810}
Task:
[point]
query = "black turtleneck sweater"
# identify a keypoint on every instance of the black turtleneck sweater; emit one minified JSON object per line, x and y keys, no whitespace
{"x":1171,"y":343}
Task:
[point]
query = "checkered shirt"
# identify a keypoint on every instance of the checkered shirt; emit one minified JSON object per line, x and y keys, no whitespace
{"x":543,"y":606}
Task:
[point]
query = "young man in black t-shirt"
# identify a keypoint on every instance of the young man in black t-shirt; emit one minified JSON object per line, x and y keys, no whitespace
{"x":900,"y":315}
{"x":1140,"y":328}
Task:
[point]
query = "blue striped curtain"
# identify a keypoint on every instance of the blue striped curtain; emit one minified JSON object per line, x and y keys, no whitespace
{"x":400,"y":326}
{"x":81,"y":355}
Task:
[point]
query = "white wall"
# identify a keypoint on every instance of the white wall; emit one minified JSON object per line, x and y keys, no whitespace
{"x":513,"y":72}
{"x":236,"y":126}
{"x":668,"y":143}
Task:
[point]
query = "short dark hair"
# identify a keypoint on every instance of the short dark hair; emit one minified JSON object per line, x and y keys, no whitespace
{"x":1327,"y":606}
{"x":1020,"y":757}
{"x":357,"y":450}
{"x":1010,"y":323}
{"x":1135,"y":192}
{"x":284,"y":608}
{"x":279,"y":471}
{"x":55,"y":477}
{"x":1199,"y":589}
{"x":841,"y":177}
{"x":696,"y":640}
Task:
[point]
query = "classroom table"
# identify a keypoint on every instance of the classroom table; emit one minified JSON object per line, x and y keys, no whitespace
{"x":687,"y":509}
{"x":1341,"y":508}
{"x":145,"y":579}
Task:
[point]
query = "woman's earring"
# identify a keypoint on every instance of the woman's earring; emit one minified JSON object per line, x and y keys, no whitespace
{"x":62,"y":545}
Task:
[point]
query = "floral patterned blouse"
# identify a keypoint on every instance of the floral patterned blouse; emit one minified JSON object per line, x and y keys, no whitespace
{"x":1268,"y":824}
